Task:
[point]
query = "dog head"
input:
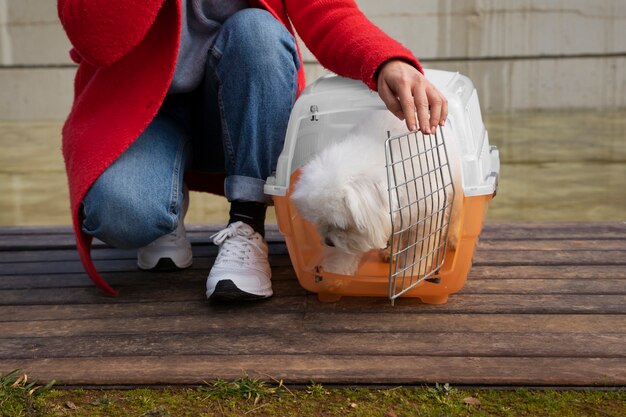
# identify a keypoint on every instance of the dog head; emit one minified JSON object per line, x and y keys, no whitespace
{"x":349,"y":205}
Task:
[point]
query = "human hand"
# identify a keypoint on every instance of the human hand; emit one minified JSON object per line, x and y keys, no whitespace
{"x":405,"y":90}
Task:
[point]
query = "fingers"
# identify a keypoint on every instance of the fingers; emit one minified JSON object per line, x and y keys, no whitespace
{"x":400,"y":103}
{"x":435,"y":112}
{"x":431,"y":106}
{"x":411,"y":97}
{"x":390,"y":100}
{"x":422,"y":107}
{"x":408,"y":108}
{"x":444,"y":112}
{"x":436,"y":105}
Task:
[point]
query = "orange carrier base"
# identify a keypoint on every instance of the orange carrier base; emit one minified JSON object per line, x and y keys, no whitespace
{"x":372,"y":278}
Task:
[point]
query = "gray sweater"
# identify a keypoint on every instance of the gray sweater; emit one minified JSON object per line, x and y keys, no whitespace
{"x":202,"y":20}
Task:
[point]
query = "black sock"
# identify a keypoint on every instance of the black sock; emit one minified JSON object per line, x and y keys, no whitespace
{"x":249,"y":212}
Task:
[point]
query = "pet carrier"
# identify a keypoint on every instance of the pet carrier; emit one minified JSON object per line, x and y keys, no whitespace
{"x":328,"y":109}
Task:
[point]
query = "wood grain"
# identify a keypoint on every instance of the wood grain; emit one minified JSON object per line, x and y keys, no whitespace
{"x":544,"y":304}
{"x":406,"y":370}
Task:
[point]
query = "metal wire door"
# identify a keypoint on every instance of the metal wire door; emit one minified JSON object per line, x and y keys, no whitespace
{"x":420,"y":195}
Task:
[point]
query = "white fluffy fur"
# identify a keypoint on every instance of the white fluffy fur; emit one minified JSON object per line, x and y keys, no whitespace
{"x":343,"y":191}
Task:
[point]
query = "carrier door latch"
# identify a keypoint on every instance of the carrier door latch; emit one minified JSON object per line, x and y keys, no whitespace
{"x":492,"y":150}
{"x":318,"y":274}
{"x":314,"y":111}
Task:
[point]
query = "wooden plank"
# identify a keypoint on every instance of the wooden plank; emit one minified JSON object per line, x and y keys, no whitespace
{"x":337,"y":369}
{"x":207,"y":250}
{"x":263,"y":341}
{"x":271,"y":322}
{"x":485,"y":303}
{"x":56,"y":255}
{"x":161,"y":308}
{"x":113,"y":265}
{"x":71,"y":324}
{"x":103,"y":266}
{"x":505,"y":283}
{"x":533,"y":257}
{"x":123,"y":279}
{"x":540,"y":299}
{"x":130,"y":294}
{"x":195,"y":279}
{"x":10,"y":259}
{"x":531,"y":272}
{"x":568,"y":245}
{"x":33,"y":241}
{"x":543,"y":231}
{"x":459,"y":303}
{"x":416,"y":321}
{"x":108,"y":307}
{"x":37,"y":238}
{"x":545,"y":286}
{"x":41,"y":241}
{"x":35,"y":230}
{"x":481,"y":258}
{"x":108,"y":253}
{"x":68,"y":255}
{"x":118,"y":280}
{"x":129,"y":278}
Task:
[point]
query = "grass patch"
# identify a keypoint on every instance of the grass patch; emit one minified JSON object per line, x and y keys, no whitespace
{"x":252,"y":397}
{"x":19,"y":396}
{"x":245,"y":389}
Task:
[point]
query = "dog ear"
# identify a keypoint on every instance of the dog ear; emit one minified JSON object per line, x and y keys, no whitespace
{"x":368,"y":202}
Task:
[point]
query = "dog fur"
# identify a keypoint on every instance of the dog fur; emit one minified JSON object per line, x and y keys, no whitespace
{"x":343,"y":191}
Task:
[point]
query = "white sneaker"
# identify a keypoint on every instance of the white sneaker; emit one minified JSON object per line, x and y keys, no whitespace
{"x":170,"y":251}
{"x":242,"y":269}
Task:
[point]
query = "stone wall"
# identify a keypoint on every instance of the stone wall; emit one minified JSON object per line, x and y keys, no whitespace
{"x":521,"y":54}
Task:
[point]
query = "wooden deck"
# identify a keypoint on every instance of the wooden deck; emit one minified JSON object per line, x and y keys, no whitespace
{"x":545,"y":304}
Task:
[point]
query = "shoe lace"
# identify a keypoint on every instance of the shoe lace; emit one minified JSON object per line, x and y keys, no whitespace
{"x":237,"y":242}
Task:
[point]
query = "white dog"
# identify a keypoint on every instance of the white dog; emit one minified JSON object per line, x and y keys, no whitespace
{"x":344,"y":192}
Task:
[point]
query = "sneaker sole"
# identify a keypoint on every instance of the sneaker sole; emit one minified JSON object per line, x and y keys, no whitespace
{"x":164,"y":265}
{"x":226,"y":290}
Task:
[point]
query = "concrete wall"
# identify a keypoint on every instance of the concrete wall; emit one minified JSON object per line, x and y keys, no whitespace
{"x":36,"y":73}
{"x":521,"y":54}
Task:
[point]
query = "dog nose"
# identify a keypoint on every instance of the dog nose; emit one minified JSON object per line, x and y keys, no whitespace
{"x":329,"y":242}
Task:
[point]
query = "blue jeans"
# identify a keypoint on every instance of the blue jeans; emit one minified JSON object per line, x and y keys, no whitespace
{"x":235,"y":122}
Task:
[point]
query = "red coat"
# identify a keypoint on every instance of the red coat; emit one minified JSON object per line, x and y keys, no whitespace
{"x":127,"y":50}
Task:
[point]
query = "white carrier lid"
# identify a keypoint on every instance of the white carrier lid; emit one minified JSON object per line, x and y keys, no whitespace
{"x":332,"y":95}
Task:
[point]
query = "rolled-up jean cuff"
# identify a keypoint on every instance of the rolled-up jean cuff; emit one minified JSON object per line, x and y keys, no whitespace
{"x":240,"y":188}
